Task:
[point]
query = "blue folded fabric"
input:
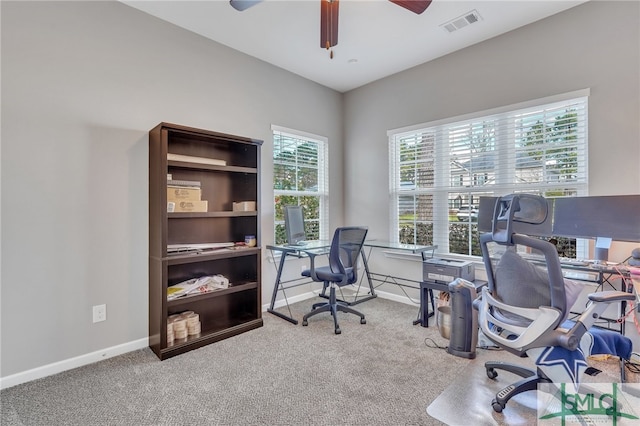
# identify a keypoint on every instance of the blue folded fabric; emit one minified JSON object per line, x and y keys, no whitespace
{"x":607,"y":342}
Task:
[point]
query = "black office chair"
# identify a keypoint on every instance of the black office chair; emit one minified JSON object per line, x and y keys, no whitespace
{"x":342,"y":270}
{"x":524,"y":307}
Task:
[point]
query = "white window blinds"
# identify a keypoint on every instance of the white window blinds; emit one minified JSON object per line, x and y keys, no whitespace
{"x":439,"y":170}
{"x":300,"y":177}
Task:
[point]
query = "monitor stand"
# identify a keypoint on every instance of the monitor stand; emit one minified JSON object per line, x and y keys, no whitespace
{"x":601,"y":254}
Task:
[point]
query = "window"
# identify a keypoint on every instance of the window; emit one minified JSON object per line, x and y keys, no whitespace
{"x":439,"y":171}
{"x":300,"y":177}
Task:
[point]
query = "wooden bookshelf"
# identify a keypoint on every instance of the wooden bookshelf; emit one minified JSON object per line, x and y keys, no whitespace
{"x":223,"y":313}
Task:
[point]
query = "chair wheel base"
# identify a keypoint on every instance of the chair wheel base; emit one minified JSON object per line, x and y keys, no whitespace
{"x":492,"y":373}
{"x":338,"y":331}
{"x":363,"y":321}
{"x":305,"y":322}
{"x":497,"y":407}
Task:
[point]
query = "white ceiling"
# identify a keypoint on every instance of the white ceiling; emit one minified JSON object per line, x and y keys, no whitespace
{"x":376,"y":37}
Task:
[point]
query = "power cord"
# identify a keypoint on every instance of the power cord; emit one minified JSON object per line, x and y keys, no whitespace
{"x":433,"y":344}
{"x":430,"y":343}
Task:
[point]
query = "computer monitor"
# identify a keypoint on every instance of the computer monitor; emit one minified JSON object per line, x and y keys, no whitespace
{"x":605,"y":218}
{"x":294,"y":224}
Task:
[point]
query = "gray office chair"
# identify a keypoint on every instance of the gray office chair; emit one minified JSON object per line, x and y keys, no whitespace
{"x":342,"y":270}
{"x":523,"y":308}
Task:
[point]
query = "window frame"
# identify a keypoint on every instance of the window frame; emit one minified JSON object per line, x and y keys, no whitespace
{"x":322,"y":191}
{"x":437,"y":139}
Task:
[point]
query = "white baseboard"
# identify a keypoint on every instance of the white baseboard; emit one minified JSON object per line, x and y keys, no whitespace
{"x":299,"y":298}
{"x":71,"y":363}
{"x":90,"y":358}
{"x":82,"y":360}
{"x":397,"y":298}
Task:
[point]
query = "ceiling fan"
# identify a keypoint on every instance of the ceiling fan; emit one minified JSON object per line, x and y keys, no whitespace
{"x":329,"y":16}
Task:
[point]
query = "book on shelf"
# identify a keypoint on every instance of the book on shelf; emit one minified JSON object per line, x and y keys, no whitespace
{"x":195,"y":248}
{"x":184,"y":183}
{"x":199,"y":160}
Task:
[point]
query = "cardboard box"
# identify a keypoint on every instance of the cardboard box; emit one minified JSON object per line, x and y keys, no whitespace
{"x":244,"y":206}
{"x":181,"y":193}
{"x":191,"y":206}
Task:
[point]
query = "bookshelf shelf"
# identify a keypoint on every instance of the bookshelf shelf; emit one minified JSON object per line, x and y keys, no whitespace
{"x":187,"y":215}
{"x":178,"y":259}
{"x":210,"y":167}
{"x":187,"y":300}
{"x":222,"y":313}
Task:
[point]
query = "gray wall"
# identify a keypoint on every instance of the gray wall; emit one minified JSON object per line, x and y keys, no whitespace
{"x":595,"y":45}
{"x":82,"y":84}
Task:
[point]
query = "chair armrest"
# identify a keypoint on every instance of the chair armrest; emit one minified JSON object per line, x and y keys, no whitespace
{"x":600,"y":302}
{"x":312,"y":269}
{"x":311,"y":254}
{"x":610,"y":296}
{"x":571,"y":339}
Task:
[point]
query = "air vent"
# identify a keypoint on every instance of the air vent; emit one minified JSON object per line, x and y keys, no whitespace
{"x":462,"y":21}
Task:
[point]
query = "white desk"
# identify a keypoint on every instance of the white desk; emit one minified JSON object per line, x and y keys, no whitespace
{"x":323,"y":247}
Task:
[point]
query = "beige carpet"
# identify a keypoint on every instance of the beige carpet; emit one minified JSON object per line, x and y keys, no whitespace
{"x":378,"y":373}
{"x":384,"y":372}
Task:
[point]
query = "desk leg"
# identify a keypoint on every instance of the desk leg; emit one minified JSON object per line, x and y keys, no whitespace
{"x":433,"y":309}
{"x":372,"y":291}
{"x":278,"y":286}
{"x":366,"y":269}
{"x":426,"y":296}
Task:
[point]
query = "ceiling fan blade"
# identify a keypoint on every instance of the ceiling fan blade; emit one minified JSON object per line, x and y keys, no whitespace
{"x":329,"y":23}
{"x":416,"y":6}
{"x":243,"y":4}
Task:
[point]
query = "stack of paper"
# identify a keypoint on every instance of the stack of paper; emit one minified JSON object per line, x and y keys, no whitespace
{"x":183,"y":288}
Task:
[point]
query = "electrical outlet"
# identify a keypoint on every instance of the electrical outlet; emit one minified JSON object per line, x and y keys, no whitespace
{"x":99,"y":313}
